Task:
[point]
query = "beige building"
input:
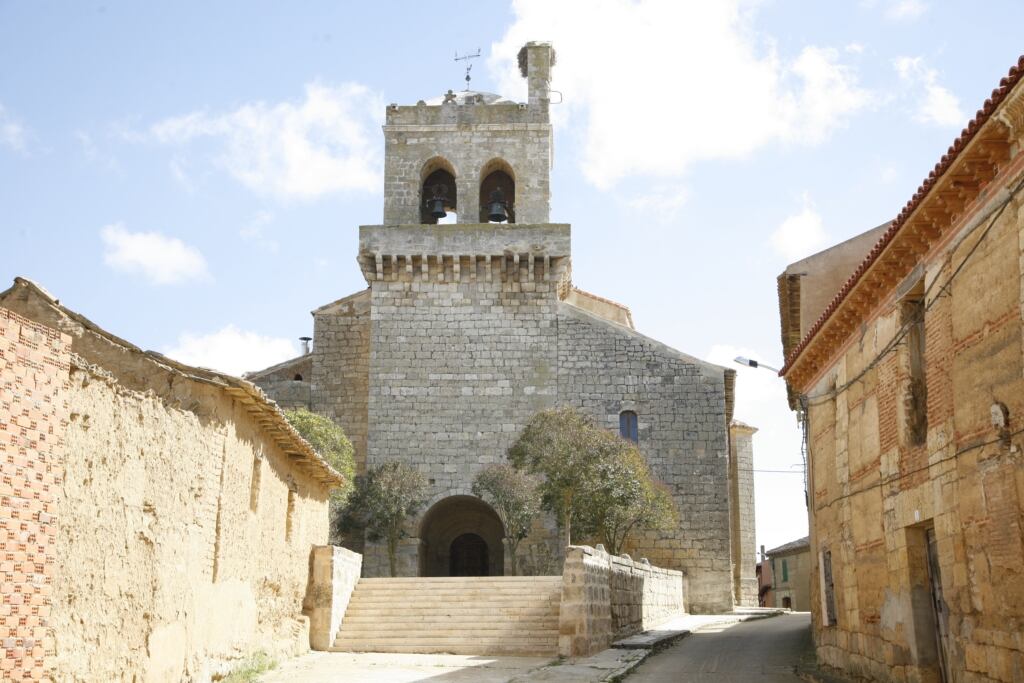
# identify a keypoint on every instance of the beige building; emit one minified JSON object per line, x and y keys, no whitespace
{"x":467,"y":330}
{"x":166,"y":512}
{"x":786,"y":576}
{"x":911,"y":384}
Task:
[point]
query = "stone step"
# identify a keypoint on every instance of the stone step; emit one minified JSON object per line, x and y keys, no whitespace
{"x":502,"y":647}
{"x":450,"y":616}
{"x":482,"y":612}
{"x":471,"y":597}
{"x":423,"y":580}
{"x":364,"y":623}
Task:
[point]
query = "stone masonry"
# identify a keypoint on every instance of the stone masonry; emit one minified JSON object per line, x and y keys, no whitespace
{"x":467,"y":330}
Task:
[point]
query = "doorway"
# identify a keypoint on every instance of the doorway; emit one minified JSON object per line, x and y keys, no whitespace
{"x":468,"y":556}
{"x":461,"y":536}
{"x":938,"y":604}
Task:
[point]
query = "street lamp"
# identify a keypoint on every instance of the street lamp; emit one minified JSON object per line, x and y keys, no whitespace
{"x":753,"y":363}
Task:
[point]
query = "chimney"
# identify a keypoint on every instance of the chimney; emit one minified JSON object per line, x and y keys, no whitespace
{"x":305,"y":344}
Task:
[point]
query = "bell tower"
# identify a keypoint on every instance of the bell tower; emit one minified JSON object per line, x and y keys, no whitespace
{"x":475,"y":154}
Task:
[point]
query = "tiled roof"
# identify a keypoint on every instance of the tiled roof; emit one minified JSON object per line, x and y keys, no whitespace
{"x":980,"y":118}
{"x":798,"y":544}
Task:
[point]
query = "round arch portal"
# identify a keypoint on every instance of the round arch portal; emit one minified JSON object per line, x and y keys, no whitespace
{"x":461,"y":536}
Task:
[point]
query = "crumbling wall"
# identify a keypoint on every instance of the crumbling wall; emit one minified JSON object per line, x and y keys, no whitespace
{"x":205,"y":531}
{"x":33,"y":412}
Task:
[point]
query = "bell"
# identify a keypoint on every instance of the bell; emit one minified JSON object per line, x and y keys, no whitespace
{"x":498,"y":212}
{"x":437,"y":208}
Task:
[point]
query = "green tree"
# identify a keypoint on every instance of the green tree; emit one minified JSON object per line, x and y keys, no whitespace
{"x":595,"y":482}
{"x":515,"y":497}
{"x":624,"y":498}
{"x":562,"y":446}
{"x":329,"y":440}
{"x":383,"y":499}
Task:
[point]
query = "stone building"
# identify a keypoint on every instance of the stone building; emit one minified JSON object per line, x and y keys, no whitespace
{"x":786,"y":575}
{"x":467,"y":329}
{"x":911,"y":384}
{"x":158,"y":518}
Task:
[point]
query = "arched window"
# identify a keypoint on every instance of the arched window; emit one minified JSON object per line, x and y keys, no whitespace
{"x":438,"y":193}
{"x":629,"y":426}
{"x":497,"y":189}
{"x":297,"y":377}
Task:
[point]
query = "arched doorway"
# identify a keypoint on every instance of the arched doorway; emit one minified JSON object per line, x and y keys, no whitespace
{"x":461,"y":536}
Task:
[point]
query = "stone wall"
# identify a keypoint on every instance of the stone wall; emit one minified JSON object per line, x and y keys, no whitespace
{"x":33,"y":413}
{"x":877,"y":492}
{"x":185,"y":526}
{"x":741,"y":513}
{"x":680,"y":403}
{"x":289,"y":382}
{"x":334,"y":574}
{"x":341,"y":363}
{"x":607,"y":597}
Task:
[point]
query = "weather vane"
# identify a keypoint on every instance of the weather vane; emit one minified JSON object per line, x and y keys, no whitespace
{"x":469,"y":66}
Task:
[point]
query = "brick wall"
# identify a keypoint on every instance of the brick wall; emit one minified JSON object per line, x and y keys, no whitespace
{"x":33,"y":414}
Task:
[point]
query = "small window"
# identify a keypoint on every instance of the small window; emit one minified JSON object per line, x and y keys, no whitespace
{"x":629,"y":427}
{"x":915,"y":397}
{"x":297,"y":377}
{"x":785,"y":572}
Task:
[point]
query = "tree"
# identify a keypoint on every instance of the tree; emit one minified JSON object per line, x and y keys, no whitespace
{"x":595,"y":482}
{"x":561,"y":445}
{"x":383,"y":499}
{"x":515,"y":497}
{"x":329,"y":440}
{"x":625,"y":498}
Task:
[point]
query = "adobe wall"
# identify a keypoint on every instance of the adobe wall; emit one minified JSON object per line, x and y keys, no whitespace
{"x":680,"y":402}
{"x":33,"y":413}
{"x":184,"y":530}
{"x":875,"y":492}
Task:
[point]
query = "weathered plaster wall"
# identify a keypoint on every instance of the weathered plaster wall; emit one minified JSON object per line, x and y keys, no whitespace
{"x":199,"y":566}
{"x":875,"y":492}
{"x":607,"y":597}
{"x":793,"y":583}
{"x":33,"y":413}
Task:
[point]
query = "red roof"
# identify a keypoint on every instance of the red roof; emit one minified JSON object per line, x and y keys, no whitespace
{"x":998,"y":95}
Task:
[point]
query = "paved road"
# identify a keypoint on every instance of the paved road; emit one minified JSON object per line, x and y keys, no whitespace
{"x":764,"y":651}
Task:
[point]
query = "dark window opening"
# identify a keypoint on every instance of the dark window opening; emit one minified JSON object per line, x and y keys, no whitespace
{"x":438,"y":193}
{"x":629,"y":426}
{"x":297,"y":378}
{"x":785,"y":572}
{"x":497,"y":194}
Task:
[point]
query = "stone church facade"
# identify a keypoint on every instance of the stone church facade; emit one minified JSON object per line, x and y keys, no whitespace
{"x":468,"y":329}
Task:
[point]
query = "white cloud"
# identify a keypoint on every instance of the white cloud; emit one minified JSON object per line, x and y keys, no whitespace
{"x":662,"y":202}
{"x":253,"y":232}
{"x":801,"y":234}
{"x":654,"y":85}
{"x":231,"y":350}
{"x":905,"y":10}
{"x":328,"y":142}
{"x":936,"y":105}
{"x":160,"y":259}
{"x":781,"y":515}
{"x":12,"y":132}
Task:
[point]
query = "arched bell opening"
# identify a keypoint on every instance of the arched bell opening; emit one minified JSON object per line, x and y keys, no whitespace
{"x":438,"y":193}
{"x":461,"y":536}
{"x":497,"y":192}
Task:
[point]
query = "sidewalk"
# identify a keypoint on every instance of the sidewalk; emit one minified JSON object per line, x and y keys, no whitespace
{"x":609,"y":665}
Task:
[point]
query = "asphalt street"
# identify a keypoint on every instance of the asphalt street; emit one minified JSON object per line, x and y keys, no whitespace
{"x":764,"y":651}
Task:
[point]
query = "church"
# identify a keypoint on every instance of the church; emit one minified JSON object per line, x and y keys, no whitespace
{"x":470,"y":324}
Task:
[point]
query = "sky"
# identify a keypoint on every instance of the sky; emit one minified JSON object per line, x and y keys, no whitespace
{"x":191,"y":176}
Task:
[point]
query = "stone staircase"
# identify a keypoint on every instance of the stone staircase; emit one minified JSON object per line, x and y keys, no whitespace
{"x":486,"y":615}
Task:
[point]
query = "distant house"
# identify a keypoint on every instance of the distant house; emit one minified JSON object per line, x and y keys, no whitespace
{"x":786,"y":576}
